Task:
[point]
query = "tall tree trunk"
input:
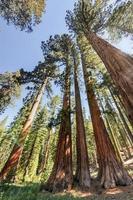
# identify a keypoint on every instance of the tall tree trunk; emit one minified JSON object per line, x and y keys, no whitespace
{"x":82,"y":171}
{"x":111,"y":170}
{"x":120,"y":67}
{"x":61,"y":176}
{"x":18,"y":148}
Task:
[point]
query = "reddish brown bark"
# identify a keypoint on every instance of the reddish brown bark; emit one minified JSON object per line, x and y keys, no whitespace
{"x":120,"y":67}
{"x":18,"y":148}
{"x":82,"y":171}
{"x":111,"y":170}
{"x":61,"y":176}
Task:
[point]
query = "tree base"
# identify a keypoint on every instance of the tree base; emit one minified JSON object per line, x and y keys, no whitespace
{"x":114,"y":175}
{"x":56,"y":187}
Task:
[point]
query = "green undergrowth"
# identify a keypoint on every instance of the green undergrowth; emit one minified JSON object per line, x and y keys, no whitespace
{"x":29,"y":191}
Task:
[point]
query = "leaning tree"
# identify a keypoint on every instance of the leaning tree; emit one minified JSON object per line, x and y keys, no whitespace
{"x":18,"y":147}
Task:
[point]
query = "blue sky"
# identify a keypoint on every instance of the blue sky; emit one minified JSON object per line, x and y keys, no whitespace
{"x":20,"y":49}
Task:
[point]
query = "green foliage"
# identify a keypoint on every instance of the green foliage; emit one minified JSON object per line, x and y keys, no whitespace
{"x":2,"y":126}
{"x":88,"y":16}
{"x":11,"y":135}
{"x":9,"y":87}
{"x":90,"y":144}
{"x":120,"y":22}
{"x":23,"y":14}
{"x":30,"y":192}
{"x":35,"y":145}
{"x":32,"y":146}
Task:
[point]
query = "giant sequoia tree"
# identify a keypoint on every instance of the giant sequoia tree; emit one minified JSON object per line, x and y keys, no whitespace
{"x":111,"y":170}
{"x":61,"y":176}
{"x":90,"y":19}
{"x":30,"y":148}
{"x":82,"y":170}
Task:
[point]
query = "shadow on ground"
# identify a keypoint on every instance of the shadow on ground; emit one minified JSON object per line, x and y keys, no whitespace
{"x":31,"y":192}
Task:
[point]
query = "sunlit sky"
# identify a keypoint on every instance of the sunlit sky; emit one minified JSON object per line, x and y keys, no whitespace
{"x":22,"y":50}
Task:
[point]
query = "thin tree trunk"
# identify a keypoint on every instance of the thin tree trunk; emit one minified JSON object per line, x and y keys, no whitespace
{"x":61,"y":176}
{"x":130,"y":135}
{"x":114,"y":141}
{"x":121,"y":129}
{"x":124,"y":138}
{"x":18,"y":148}
{"x":82,"y":171}
{"x":111,"y":170}
{"x":120,"y":67}
{"x":111,"y":132}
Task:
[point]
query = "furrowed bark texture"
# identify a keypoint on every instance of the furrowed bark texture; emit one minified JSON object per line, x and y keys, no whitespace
{"x":120,"y":67}
{"x":82,"y":171}
{"x":111,"y":170}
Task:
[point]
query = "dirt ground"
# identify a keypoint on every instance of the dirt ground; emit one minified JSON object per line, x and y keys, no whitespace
{"x":119,"y":193}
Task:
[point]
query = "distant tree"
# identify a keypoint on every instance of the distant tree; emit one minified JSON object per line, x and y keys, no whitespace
{"x":52,"y":122}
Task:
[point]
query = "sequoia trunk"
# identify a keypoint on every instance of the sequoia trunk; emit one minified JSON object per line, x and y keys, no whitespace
{"x":120,"y":67}
{"x":82,"y":171}
{"x":61,"y":176}
{"x":111,"y":170}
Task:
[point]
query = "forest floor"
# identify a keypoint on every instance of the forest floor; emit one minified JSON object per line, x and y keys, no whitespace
{"x":31,"y":192}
